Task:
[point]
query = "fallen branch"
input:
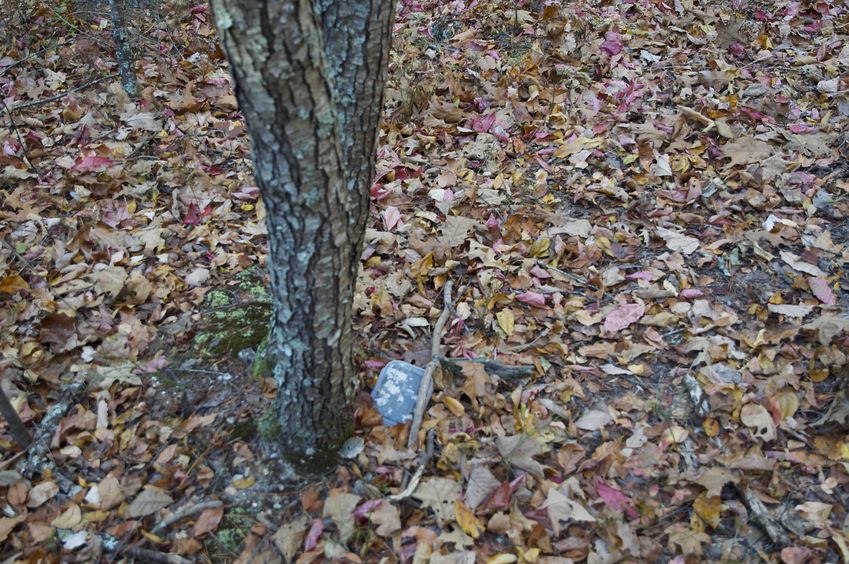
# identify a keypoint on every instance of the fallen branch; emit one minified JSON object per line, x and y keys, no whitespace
{"x":426,"y":385}
{"x":698,"y":116}
{"x":37,"y":460}
{"x":61,"y":95}
{"x":21,"y":142}
{"x":145,"y":555}
{"x":13,"y":420}
{"x":761,"y":516}
{"x":507,"y":371}
{"x":182,"y":513}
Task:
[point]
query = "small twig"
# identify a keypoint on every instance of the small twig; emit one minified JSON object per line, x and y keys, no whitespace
{"x":61,"y":95}
{"x":182,"y":513}
{"x":20,"y":139}
{"x":531,"y":344}
{"x":421,"y":463}
{"x":13,"y":420}
{"x":426,"y":385}
{"x":709,"y":123}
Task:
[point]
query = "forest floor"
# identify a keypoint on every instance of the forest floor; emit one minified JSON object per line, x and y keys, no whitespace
{"x":645,"y":201}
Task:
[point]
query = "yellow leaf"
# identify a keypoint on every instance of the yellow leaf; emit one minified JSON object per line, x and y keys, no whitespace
{"x":96,"y":516}
{"x":529,"y":557}
{"x":708,"y":508}
{"x":465,"y":517}
{"x":818,"y":374}
{"x":711,"y":427}
{"x":244,"y":483}
{"x":151,"y":537}
{"x":69,"y":518}
{"x":12,"y":284}
{"x":788,"y":403}
{"x":502,"y":558}
{"x":506,"y":320}
{"x":539,"y":248}
{"x":841,"y":544}
{"x":454,"y":406}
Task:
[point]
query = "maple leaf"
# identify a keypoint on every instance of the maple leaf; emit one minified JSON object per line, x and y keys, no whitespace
{"x":194,"y":215}
{"x":518,"y":451}
{"x":562,"y":509}
{"x":439,"y":494}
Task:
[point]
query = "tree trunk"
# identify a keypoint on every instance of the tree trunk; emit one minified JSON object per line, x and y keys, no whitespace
{"x":123,"y":48}
{"x":312,"y":108}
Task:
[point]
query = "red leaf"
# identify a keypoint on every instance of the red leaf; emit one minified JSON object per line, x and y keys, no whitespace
{"x":615,"y":499}
{"x":89,"y":164}
{"x":483,"y":124}
{"x":822,"y":290}
{"x":642,"y":275}
{"x":194,"y":215}
{"x":532,"y":298}
{"x":612,"y":44}
{"x":801,"y":128}
{"x":313,"y":535}
{"x":690,"y":293}
{"x":623,"y":316}
{"x":365,"y":508}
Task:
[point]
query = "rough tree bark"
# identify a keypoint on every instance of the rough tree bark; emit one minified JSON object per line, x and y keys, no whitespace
{"x":309,"y":77}
{"x":123,"y":48}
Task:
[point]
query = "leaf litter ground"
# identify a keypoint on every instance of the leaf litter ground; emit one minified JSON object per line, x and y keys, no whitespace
{"x":646,"y":202}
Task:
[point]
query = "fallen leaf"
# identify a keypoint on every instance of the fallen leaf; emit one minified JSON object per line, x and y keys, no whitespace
{"x":13,"y":283}
{"x":208,"y":520}
{"x":679,"y":242}
{"x":506,"y":320}
{"x":562,"y":509}
{"x":615,"y":499}
{"x":822,"y":290}
{"x":149,"y":501}
{"x":518,"y":451}
{"x":69,"y":518}
{"x":623,"y":316}
{"x":593,"y":420}
{"x":802,"y":266}
{"x":467,"y":520}
{"x":708,"y":508}
{"x":387,"y":517}
{"x":438,"y":495}
{"x":289,"y":537}
{"x":7,"y":524}
{"x":39,"y":494}
{"x":757,"y":418}
{"x":481,"y":485}
{"x":339,"y":508}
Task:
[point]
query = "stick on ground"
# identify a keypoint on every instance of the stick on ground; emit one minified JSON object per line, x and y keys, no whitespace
{"x":37,"y":457}
{"x":426,"y":385}
{"x":13,"y":420}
